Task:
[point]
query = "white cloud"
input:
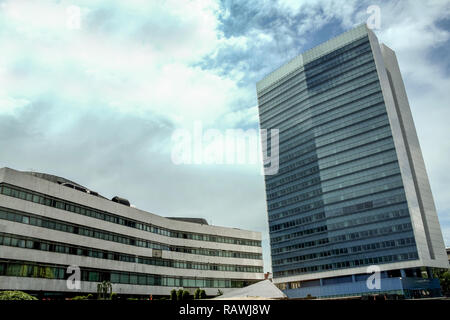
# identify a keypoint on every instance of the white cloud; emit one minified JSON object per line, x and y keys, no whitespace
{"x":133,"y":56}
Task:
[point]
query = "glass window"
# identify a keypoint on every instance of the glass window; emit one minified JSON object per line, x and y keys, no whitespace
{"x":60,"y":205}
{"x":142,"y":280}
{"x":14,"y":193}
{"x":115,"y":277}
{"x":7,"y":191}
{"x":21,"y":243}
{"x":133,"y":279}
{"x":7,"y":241}
{"x":14,"y":242}
{"x":93,"y":276}
{"x":124,"y":278}
{"x":29,"y":244}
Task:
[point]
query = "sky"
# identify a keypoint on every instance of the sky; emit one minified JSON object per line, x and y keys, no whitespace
{"x":94,"y":90}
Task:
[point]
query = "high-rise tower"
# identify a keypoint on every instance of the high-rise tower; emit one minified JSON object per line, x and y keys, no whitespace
{"x":351,"y":190}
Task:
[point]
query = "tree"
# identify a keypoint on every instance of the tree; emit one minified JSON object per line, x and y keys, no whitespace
{"x":197,"y":294}
{"x":202,"y":294}
{"x":15,"y":295}
{"x":180,"y":294}
{"x":173,"y":294}
{"x":185,"y":295}
{"x":444,"y":279}
{"x":104,"y":290}
{"x":219,"y":292}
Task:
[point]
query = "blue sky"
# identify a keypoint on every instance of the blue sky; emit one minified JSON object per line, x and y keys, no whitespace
{"x":98,"y":104}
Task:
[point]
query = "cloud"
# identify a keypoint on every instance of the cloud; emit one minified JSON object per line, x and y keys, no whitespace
{"x":128,"y":56}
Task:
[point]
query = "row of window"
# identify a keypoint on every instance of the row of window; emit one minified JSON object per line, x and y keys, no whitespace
{"x":297,"y":98}
{"x":333,"y":58}
{"x":38,"y":244}
{"x":322,"y":121}
{"x":344,"y":251}
{"x":299,"y":75}
{"x":359,"y":235}
{"x":292,"y":183}
{"x":348,"y":264}
{"x":311,"y":103}
{"x":341,"y":105}
{"x":345,"y":59}
{"x":359,"y":206}
{"x":340,"y":225}
{"x":357,"y":191}
{"x":33,"y":270}
{"x":7,"y":214}
{"x":337,"y":159}
{"x":361,"y":65}
{"x":350,"y":119}
{"x":347,"y":139}
{"x":94,"y":213}
{"x":307,"y":102}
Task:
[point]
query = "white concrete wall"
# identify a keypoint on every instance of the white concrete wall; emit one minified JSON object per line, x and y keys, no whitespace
{"x":429,"y":213}
{"x":29,"y":182}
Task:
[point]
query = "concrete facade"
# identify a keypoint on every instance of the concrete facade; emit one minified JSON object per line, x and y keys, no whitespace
{"x":28,"y":183}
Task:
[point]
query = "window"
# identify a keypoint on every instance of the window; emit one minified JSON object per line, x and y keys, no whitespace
{"x":93,"y":276}
{"x":124,"y":278}
{"x":21,"y":243}
{"x":115,"y":277}
{"x":142,"y":280}
{"x":6,"y":241}
{"x":7,"y":191}
{"x":14,"y":242}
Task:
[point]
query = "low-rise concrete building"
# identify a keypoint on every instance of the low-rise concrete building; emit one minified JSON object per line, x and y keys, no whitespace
{"x":51,"y":226}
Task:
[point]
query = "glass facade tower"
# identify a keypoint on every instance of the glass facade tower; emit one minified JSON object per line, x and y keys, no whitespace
{"x":351,"y":190}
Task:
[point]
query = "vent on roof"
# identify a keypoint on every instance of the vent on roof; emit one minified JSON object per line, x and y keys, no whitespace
{"x":123,"y":201}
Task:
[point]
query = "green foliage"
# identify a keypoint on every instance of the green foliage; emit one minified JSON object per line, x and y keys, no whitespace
{"x":202,"y":294}
{"x":219,"y":292}
{"x":80,"y":298}
{"x":180,"y":294}
{"x":131,"y":298}
{"x":444,"y":279}
{"x":185,"y":295}
{"x":104,"y":290}
{"x":90,"y":296}
{"x":15,"y":295}
{"x":114,"y":296}
{"x":197,"y":294}
{"x":173,"y":294}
